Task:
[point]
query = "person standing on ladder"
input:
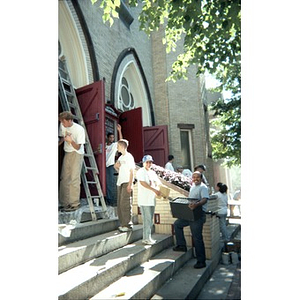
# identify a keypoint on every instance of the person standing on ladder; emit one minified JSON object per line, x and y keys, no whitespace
{"x":73,"y":137}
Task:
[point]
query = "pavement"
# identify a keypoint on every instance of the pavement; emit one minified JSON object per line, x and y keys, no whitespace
{"x":225,"y":282}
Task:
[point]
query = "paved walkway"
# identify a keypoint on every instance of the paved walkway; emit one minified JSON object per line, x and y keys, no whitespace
{"x":225,"y":282}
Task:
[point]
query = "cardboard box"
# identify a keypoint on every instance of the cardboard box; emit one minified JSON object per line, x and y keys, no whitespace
{"x":181,"y":210}
{"x":164,"y":191}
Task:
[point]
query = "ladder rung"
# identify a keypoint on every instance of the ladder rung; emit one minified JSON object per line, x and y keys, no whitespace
{"x":69,"y":93}
{"x":91,"y":168}
{"x":91,"y":182}
{"x":72,"y":105}
{"x":65,"y":81}
{"x":63,"y":70}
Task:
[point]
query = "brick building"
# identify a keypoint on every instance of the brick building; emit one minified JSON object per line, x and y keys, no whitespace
{"x":134,"y":68}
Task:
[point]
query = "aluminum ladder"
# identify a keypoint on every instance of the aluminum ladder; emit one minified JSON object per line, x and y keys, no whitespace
{"x":89,"y":171}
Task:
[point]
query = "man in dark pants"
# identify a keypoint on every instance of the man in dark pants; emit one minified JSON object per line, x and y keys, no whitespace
{"x":198,"y":191}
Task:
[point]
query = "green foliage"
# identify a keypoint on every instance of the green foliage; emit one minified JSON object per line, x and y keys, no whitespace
{"x":211,"y":32}
{"x":226,"y":131}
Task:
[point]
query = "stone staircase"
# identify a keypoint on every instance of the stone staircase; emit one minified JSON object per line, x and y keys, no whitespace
{"x":98,"y":262}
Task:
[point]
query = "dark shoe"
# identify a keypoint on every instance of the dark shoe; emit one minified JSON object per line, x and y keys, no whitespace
{"x":199,"y":265}
{"x":71,"y":208}
{"x":180,"y":248}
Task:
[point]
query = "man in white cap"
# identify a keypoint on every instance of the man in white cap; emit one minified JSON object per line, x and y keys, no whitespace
{"x":148,"y":189}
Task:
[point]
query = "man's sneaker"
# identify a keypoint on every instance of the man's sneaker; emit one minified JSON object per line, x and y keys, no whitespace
{"x":124,"y":229}
{"x":180,"y":248}
{"x":149,"y":242}
{"x":199,"y":265}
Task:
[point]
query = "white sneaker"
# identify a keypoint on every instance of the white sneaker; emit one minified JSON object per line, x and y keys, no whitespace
{"x":149,"y":242}
{"x":124,"y":229}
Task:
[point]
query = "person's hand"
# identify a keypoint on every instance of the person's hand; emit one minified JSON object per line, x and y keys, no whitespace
{"x":68,"y":138}
{"x":192,"y":205}
{"x":158,"y":193}
{"x":129,"y":188}
{"x":119,"y":127}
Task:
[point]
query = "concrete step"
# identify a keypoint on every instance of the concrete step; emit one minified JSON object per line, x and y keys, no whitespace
{"x":68,"y":233}
{"x":187,"y":282}
{"x":83,"y":214}
{"x":74,"y":254}
{"x":143,"y":281}
{"x":86,"y":280}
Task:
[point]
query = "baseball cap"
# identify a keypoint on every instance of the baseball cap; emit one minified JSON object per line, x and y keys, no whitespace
{"x":147,"y":158}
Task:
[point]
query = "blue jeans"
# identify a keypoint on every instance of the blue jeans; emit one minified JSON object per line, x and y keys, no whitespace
{"x":223,"y":228}
{"x":110,"y":186}
{"x":196,"y":229}
{"x":147,"y":214}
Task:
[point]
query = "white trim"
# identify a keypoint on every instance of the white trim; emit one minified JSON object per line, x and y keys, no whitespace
{"x":72,"y":47}
{"x":128,"y":68}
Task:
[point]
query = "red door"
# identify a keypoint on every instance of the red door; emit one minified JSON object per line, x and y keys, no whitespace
{"x":156,"y":143}
{"x":91,"y":99}
{"x":132,"y":130}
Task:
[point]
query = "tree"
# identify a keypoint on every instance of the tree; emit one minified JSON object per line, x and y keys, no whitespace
{"x":211,"y":30}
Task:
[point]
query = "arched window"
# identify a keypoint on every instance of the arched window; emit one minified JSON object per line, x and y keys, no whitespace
{"x":126,"y":100}
{"x":129,"y":88}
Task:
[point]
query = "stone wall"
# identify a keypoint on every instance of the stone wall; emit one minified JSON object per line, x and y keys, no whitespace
{"x":181,"y":102}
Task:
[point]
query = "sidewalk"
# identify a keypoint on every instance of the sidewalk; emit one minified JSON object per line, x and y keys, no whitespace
{"x":225,"y":282}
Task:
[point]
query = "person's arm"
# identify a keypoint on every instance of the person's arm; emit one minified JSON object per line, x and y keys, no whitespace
{"x":129,"y":186}
{"x":195,"y":204}
{"x":117,"y":165}
{"x":68,"y":138}
{"x":119,"y":128}
{"x":147,"y":186}
{"x":61,"y":140}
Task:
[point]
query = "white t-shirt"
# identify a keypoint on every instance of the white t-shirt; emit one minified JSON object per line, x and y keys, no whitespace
{"x":146,"y":197}
{"x":111,"y":153}
{"x":169,"y":166}
{"x":127,"y":164}
{"x":222,"y":203}
{"x":187,"y":172}
{"x":78,"y":136}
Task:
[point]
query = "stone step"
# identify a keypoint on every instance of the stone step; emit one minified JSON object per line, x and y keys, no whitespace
{"x":142,"y":282}
{"x":74,"y":254}
{"x":187,"y":282}
{"x":80,"y":231}
{"x":84,"y":281}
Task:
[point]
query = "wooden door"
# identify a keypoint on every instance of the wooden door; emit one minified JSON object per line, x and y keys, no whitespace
{"x":132,"y":130}
{"x":91,"y":99}
{"x":156,"y":143}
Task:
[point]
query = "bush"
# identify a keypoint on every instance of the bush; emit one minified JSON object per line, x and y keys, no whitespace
{"x":175,"y":178}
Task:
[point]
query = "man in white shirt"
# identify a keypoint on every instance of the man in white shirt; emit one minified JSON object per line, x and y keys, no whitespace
{"x":148,"y":189}
{"x":125,"y":165}
{"x":111,"y":150}
{"x":73,"y":137}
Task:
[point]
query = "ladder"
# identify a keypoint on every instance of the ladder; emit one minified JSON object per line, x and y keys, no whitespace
{"x":89,"y":171}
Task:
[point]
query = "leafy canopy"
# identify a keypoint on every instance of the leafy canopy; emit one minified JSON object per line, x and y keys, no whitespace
{"x":211,"y":30}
